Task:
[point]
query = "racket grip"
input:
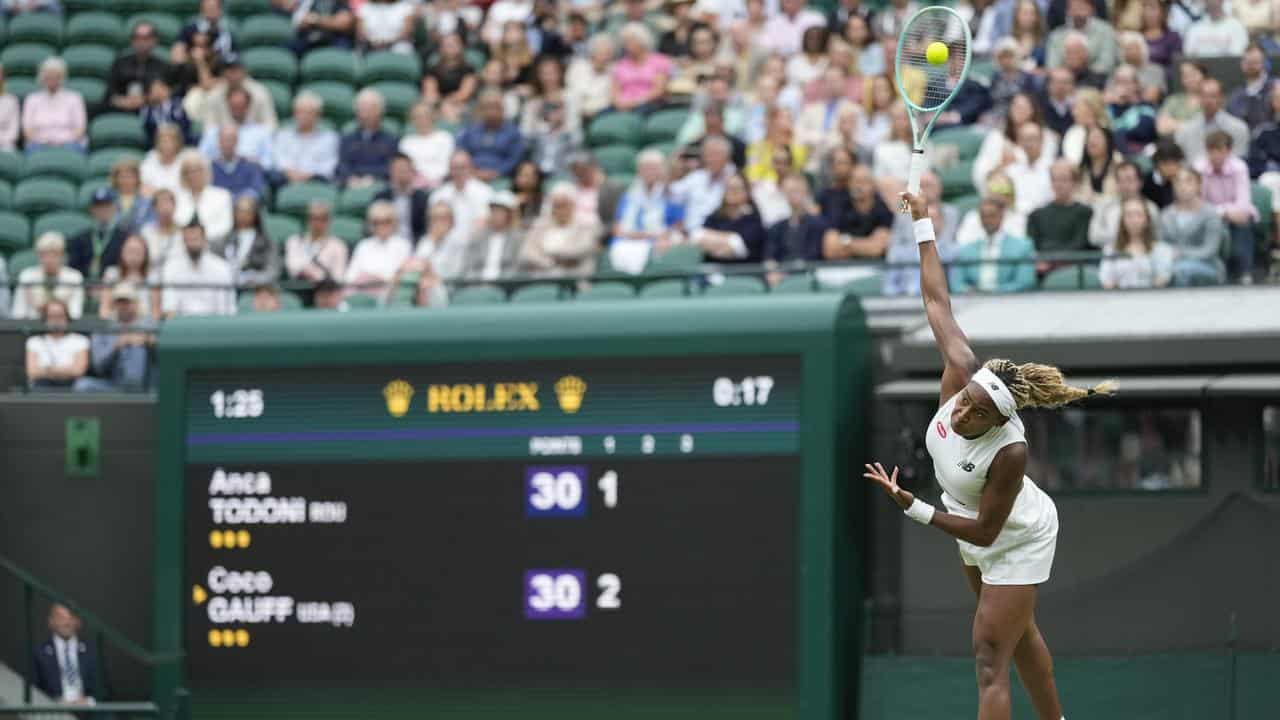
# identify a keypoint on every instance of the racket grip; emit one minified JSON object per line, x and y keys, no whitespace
{"x":914,"y":170}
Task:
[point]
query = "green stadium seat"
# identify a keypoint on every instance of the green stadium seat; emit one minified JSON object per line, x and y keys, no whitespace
{"x":6,"y":195}
{"x":15,"y":234}
{"x":92,"y":90}
{"x":338,"y":100}
{"x":57,"y":163}
{"x":965,"y":203}
{"x":21,"y":260}
{"x":664,"y":125}
{"x":181,"y":8}
{"x":117,"y":130}
{"x":95,"y":28}
{"x":347,"y":229}
{"x":329,"y":65}
{"x":966,"y":141}
{"x":362,"y":302}
{"x":870,"y":285}
{"x":799,"y":284}
{"x":101,"y":161}
{"x":671,"y":287}
{"x":266,"y":30}
{"x":281,"y":96}
{"x":478,"y":295}
{"x":957,"y":180}
{"x":397,"y":96}
{"x":247,"y":8}
{"x":1261,"y":197}
{"x":475,"y":57}
{"x":537,"y":292}
{"x":666,"y":149}
{"x":607,"y":291}
{"x":35,"y":27}
{"x":293,"y":199}
{"x":167,"y":26}
{"x":616,"y":159}
{"x":615,"y":129}
{"x":355,"y":201}
{"x":41,"y":195}
{"x":129,"y":7}
{"x":270,"y":63}
{"x":1081,"y":277}
{"x":84,"y":196}
{"x":677,"y":258}
{"x":12,"y":165}
{"x":390,"y":67}
{"x":83,"y":6}
{"x":402,"y":295}
{"x":25,"y":58}
{"x":70,"y":224}
{"x":736,"y":285}
{"x":280,"y":227}
{"x":20,"y":86}
{"x":89,"y":61}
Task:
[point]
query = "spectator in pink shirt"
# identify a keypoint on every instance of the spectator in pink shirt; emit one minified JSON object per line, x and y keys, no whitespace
{"x":640,"y":77}
{"x":1226,"y":190}
{"x":54,"y":116}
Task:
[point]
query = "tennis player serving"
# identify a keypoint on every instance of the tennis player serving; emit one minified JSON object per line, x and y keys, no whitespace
{"x":1006,"y":527}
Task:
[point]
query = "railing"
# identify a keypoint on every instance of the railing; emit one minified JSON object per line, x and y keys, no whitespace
{"x":103,"y":635}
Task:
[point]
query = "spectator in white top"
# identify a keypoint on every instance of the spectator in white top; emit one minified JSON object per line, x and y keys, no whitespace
{"x":195,"y":281}
{"x":385,"y":25}
{"x":305,"y":151}
{"x":588,"y":80}
{"x":442,"y":248}
{"x":316,"y":255}
{"x":1013,"y":223}
{"x":199,"y":200}
{"x":1216,"y":34}
{"x":161,"y":168}
{"x":53,"y":116}
{"x":56,"y":359}
{"x":702,"y":190}
{"x":10,"y":115}
{"x":468,"y":196}
{"x":378,"y":257}
{"x":784,"y":32}
{"x":1030,"y":173}
{"x":500,"y":13}
{"x":428,"y":147}
{"x":50,"y":279}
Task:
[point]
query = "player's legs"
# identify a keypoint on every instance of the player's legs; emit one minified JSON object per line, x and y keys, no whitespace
{"x":1004,"y":614}
{"x":1032,"y":659}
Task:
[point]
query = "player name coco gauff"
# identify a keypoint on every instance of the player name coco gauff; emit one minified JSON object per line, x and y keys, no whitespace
{"x":244,"y":498}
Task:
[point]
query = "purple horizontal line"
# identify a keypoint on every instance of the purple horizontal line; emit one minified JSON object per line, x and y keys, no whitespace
{"x":216,"y":438}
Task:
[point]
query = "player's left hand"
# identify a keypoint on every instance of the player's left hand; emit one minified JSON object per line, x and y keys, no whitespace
{"x":889,"y":483}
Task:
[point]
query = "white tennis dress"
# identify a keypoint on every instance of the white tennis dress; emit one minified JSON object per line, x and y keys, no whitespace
{"x":1023,"y":551}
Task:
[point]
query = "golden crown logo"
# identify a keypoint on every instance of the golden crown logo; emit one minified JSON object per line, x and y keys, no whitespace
{"x":397,"y":393}
{"x":570,"y":390}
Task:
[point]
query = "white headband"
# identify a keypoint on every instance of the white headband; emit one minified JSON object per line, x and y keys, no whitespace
{"x":998,"y":391}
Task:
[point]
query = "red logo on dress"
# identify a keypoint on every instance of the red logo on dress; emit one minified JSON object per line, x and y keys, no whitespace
{"x":942,"y":429}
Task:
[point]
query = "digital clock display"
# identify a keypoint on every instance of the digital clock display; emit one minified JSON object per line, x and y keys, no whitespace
{"x":606,"y":524}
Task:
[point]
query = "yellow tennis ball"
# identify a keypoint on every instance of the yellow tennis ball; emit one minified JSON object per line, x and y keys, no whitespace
{"x":937,"y":53}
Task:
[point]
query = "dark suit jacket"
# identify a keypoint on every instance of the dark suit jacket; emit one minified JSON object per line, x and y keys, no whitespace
{"x":80,"y":252}
{"x":812,"y":228}
{"x":417,"y":210}
{"x":361,"y":153}
{"x":49,"y":679}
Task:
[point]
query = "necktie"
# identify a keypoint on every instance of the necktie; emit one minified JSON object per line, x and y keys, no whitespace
{"x":70,"y":673}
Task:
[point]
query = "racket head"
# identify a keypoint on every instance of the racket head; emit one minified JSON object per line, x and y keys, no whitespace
{"x":926,"y":87}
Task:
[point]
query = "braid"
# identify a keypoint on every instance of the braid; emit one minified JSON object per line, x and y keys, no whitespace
{"x":1041,"y":386}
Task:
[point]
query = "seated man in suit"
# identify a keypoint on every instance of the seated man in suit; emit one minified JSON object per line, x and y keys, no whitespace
{"x":410,"y":202}
{"x":97,"y":248}
{"x":799,"y":237}
{"x":494,"y":252}
{"x":995,"y":244}
{"x":66,"y":668}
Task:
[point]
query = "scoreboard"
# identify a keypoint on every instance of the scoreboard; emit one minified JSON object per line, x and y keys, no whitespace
{"x":562,"y":529}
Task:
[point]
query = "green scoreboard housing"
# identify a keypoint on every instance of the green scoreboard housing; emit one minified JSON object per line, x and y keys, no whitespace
{"x":543,"y":510}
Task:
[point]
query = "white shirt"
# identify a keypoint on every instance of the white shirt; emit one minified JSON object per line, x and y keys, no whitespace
{"x":470,"y":204}
{"x":493,"y":257}
{"x":30,"y":295}
{"x":1032,"y":185}
{"x":209,"y":270}
{"x":989,"y":272}
{"x":1215,"y":38}
{"x":430,"y":154}
{"x":970,"y":230}
{"x":701,"y":193}
{"x":213,"y":208}
{"x":502,"y":12}
{"x":384,"y":22}
{"x":73,"y":687}
{"x":447,"y":257}
{"x":378,"y":258}
{"x":158,"y":176}
{"x":53,"y":351}
{"x":770,"y":202}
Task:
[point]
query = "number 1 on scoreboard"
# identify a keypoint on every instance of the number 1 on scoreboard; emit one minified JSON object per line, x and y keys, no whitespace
{"x":609,"y":488}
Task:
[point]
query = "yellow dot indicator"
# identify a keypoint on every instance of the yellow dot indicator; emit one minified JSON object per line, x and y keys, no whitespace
{"x":198,"y":595}
{"x":936,"y":53}
{"x":228,"y":638}
{"x":215,"y":539}
{"x":242,"y":538}
{"x":215,"y":638}
{"x":242,"y":638}
{"x":229,"y":538}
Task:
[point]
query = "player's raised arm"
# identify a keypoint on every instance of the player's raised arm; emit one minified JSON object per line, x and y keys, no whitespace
{"x":960,"y":362}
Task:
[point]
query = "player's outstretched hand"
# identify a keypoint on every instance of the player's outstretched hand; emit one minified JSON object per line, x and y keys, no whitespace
{"x":889,"y":483}
{"x":917,"y":204}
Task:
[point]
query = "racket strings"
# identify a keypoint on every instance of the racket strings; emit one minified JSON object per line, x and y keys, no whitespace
{"x":928,"y":86}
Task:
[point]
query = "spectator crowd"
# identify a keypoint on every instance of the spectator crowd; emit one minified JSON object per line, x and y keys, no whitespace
{"x":559,"y":138}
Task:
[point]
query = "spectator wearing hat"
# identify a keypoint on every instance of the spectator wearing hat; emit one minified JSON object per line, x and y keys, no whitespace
{"x":56,"y":359}
{"x":215,"y":109}
{"x":410,"y":202}
{"x":195,"y":281}
{"x":495,"y":143}
{"x":233,"y":172}
{"x":304,"y":151}
{"x":365,"y":153}
{"x":49,"y":279}
{"x":97,"y":248}
{"x":54,"y":116}
{"x":316,"y":255}
{"x":1212,"y":116}
{"x":132,"y":72}
{"x":122,"y":355}
{"x":212,"y":24}
{"x":495,"y":253}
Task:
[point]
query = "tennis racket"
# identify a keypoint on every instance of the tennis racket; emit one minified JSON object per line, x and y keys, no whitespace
{"x":929,"y":67}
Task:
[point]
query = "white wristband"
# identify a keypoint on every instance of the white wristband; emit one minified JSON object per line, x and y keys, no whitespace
{"x":923,"y":230}
{"x":920,"y":511}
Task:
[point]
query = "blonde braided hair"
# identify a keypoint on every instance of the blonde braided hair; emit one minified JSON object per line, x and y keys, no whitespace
{"x":1042,"y":386}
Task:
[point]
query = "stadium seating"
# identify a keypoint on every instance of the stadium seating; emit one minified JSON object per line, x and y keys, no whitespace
{"x":6,"y":195}
{"x":347,"y":229}
{"x":390,"y":67}
{"x":355,"y":201}
{"x":266,"y":30}
{"x":69,"y":224}
{"x":57,"y":163}
{"x":615,"y":129}
{"x":607,"y":291}
{"x":293,"y":199}
{"x":41,"y":195}
{"x":669,"y":288}
{"x":478,"y":295}
{"x":796,"y":285}
{"x":663,"y":126}
{"x":616,"y":159}
{"x":398,"y":97}
{"x":101,"y":161}
{"x":1084,"y":277}
{"x":21,"y":260}
{"x":677,"y":259}
{"x":35,"y":27}
{"x":84,"y":195}
{"x":329,"y":65}
{"x":167,"y":26}
{"x":92,"y":90}
{"x":538,"y":292}
{"x":15,"y":234}
{"x":12,"y":166}
{"x":95,"y":28}
{"x":25,"y":58}
{"x":736,"y":285}
{"x":271,"y":63}
{"x":117,"y":130}
{"x":339,"y":99}
{"x":280,"y":227}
